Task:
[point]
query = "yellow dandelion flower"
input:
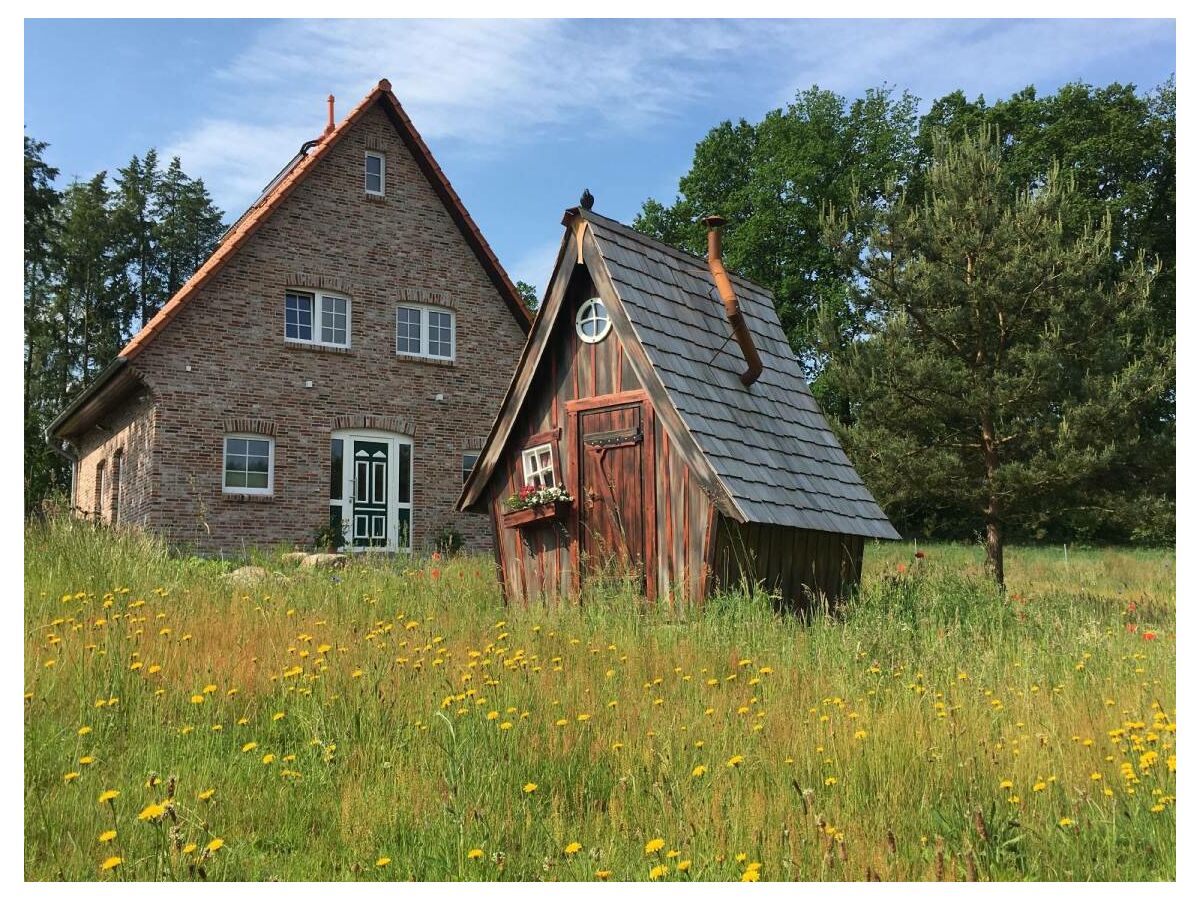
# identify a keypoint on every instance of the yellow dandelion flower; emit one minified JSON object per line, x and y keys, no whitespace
{"x":70,"y":776}
{"x":106,"y":836}
{"x":152,"y":811}
{"x":603,"y":874}
{"x":214,"y":845}
{"x":683,"y":865}
{"x":85,"y":729}
{"x":830,"y":781}
{"x":268,"y":759}
{"x":111,"y":863}
{"x":529,"y":788}
{"x":572,"y":848}
{"x":189,"y":847}
{"x":1066,"y":822}
{"x":1039,"y":786}
{"x":475,"y":854}
{"x":277,"y":717}
{"x":734,"y":761}
{"x":86,"y":760}
{"x":383,"y":861}
{"x":206,"y":794}
{"x":655,"y":844}
{"x":750,"y":875}
{"x":658,"y":872}
{"x":247,"y":747}
{"x":699,"y":771}
{"x":108,"y":796}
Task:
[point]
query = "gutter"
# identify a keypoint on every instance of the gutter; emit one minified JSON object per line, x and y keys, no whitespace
{"x":106,"y":375}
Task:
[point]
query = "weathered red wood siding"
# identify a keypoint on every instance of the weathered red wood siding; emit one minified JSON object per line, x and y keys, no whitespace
{"x":537,"y":563}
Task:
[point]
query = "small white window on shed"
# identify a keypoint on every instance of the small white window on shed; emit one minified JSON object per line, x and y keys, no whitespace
{"x":539,"y":466}
{"x":592,"y":322}
{"x":373,"y":180}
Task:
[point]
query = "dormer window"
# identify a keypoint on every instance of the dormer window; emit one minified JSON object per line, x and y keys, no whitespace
{"x":374,"y":174}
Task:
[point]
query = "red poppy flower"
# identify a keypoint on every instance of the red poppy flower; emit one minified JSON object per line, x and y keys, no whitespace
{"x":1149,"y":636}
{"x":901,"y":568}
{"x":435,"y":573}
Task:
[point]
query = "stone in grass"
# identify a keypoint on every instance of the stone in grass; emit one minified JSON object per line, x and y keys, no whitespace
{"x":295,"y":556}
{"x":323,"y":561}
{"x":248,"y":574}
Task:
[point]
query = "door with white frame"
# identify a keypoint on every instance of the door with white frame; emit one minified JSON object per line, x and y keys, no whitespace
{"x":370,"y":489}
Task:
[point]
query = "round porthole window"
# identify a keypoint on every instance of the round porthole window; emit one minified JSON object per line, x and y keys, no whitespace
{"x":592,"y":322}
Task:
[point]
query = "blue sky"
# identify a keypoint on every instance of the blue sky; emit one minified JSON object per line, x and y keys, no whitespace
{"x":521,"y":114}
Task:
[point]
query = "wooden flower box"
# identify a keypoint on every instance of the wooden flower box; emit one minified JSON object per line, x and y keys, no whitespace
{"x":520,"y":518}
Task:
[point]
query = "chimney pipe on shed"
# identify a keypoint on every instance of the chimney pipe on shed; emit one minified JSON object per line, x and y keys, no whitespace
{"x":733,"y":310}
{"x":329,"y":127}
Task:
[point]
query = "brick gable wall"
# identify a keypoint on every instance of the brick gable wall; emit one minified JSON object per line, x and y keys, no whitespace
{"x":128,"y":430}
{"x":378,"y":252}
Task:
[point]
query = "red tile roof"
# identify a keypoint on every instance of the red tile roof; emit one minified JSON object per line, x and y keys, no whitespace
{"x":269,"y":202}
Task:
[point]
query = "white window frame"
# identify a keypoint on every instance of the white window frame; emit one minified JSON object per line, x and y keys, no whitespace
{"x":579,"y":316}
{"x":319,"y":298}
{"x":425,"y":325}
{"x":375,"y":154}
{"x":533,"y":470}
{"x":247,"y":436}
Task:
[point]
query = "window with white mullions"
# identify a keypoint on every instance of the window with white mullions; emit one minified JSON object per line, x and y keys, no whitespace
{"x":298,"y":316}
{"x":373,"y":170}
{"x":425,"y":331}
{"x":592,"y":322}
{"x":249,"y":465}
{"x":439,"y":334}
{"x":538,"y":463}
{"x":316,"y":318}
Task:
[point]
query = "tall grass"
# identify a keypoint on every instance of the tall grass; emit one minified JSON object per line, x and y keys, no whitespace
{"x":417,"y":709}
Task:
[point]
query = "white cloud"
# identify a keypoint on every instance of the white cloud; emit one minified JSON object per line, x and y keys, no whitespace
{"x":487,"y":88}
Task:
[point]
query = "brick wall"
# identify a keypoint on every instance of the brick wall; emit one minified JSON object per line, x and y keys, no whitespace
{"x":127,"y":433}
{"x":378,"y":252}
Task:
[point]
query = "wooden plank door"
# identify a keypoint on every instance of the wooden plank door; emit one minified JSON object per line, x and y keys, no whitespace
{"x":613,"y":483}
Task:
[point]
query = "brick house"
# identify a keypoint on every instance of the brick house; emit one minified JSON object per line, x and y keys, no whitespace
{"x":339,"y":359}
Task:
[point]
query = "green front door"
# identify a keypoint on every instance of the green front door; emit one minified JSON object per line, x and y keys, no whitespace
{"x":370,"y":493}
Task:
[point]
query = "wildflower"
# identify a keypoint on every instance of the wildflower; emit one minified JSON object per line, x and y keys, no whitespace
{"x":268,"y":759}
{"x":654,"y":845}
{"x":383,"y":861}
{"x":683,"y":865}
{"x":152,"y":811}
{"x":830,"y":781}
{"x":206,"y":794}
{"x":529,"y":788}
{"x":572,"y":848}
{"x":603,"y":874}
{"x":189,"y":847}
{"x":699,"y":771}
{"x":70,"y":776}
{"x":108,"y":796}
{"x":86,"y":729}
{"x":734,"y":761}
{"x":751,"y":874}
{"x":250,"y":745}
{"x":111,"y":863}
{"x":1066,"y":822}
{"x":214,"y":845}
{"x":86,"y":760}
{"x":475,"y":854}
{"x":277,"y":717}
{"x":658,"y":872}
{"x":1006,"y":784}
{"x":106,"y":836}
{"x":1039,"y":786}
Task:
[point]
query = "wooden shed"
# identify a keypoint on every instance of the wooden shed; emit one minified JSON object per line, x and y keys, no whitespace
{"x":660,"y":395}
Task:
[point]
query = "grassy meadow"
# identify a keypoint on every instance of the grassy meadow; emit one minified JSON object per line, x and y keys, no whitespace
{"x":393,"y":720}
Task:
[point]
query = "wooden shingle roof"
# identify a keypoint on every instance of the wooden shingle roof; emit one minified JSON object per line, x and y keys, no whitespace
{"x":769,"y":443}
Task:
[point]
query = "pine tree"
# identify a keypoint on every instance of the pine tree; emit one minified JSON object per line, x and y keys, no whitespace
{"x":1002,"y":365}
{"x":133,"y":223}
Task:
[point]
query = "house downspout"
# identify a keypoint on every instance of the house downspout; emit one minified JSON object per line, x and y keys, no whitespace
{"x":70,"y":456}
{"x":733,"y":310}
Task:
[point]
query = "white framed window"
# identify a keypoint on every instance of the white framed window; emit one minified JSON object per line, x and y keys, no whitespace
{"x":249,"y":466}
{"x":374,"y":173}
{"x":538,"y":463}
{"x":468,"y":463}
{"x":592,"y":323}
{"x":316,"y":318}
{"x":425,"y":331}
